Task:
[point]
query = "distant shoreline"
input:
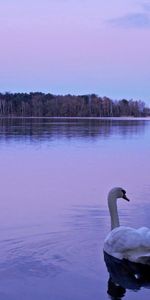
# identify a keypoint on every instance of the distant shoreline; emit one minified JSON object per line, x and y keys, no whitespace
{"x":35,"y":105}
{"x":79,"y":118}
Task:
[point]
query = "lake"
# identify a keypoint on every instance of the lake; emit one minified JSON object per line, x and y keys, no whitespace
{"x":55,"y":175}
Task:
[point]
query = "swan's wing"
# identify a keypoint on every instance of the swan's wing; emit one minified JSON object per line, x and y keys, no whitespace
{"x":125,"y":242}
{"x":120,"y":240}
{"x":145,"y":236}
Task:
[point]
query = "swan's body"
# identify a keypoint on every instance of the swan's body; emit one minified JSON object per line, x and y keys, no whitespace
{"x":126,"y":242}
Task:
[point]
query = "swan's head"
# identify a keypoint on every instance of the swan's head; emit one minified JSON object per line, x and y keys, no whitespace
{"x":118,"y":192}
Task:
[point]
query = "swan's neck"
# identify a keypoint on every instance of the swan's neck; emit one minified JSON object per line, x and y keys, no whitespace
{"x":112,"y":204}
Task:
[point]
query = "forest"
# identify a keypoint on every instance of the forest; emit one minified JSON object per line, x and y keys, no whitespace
{"x":48,"y":105}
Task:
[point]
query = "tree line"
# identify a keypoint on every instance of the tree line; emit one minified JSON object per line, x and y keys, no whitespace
{"x":48,"y":105}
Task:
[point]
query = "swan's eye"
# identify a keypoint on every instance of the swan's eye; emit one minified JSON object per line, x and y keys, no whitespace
{"x":124,"y":192}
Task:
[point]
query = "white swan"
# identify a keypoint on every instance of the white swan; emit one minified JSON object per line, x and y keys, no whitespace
{"x":126,"y":242}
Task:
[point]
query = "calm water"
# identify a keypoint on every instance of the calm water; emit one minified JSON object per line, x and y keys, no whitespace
{"x":54,"y":179}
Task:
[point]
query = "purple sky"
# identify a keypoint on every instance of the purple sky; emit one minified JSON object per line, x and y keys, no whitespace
{"x":76,"y":46}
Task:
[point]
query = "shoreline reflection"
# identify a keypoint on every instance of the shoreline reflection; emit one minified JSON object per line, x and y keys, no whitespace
{"x":35,"y":128}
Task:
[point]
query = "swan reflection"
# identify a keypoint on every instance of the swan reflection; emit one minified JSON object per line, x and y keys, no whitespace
{"x":125,"y":275}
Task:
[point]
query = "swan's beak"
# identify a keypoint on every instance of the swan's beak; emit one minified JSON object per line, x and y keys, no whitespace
{"x":125,"y":197}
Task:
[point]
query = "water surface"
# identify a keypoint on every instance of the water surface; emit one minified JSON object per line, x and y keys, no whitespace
{"x":54,"y":177}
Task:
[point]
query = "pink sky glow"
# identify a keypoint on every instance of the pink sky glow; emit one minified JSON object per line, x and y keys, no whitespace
{"x":76,"y":46}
